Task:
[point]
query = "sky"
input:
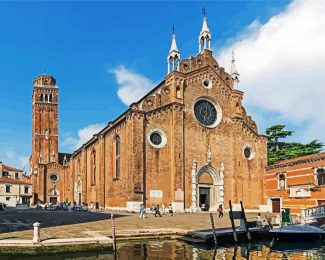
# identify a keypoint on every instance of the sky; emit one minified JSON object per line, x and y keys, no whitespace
{"x":106,"y":55}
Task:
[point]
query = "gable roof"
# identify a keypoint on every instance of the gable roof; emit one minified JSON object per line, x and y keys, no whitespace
{"x":13,"y":181}
{"x":298,"y":160}
{"x":10,"y":168}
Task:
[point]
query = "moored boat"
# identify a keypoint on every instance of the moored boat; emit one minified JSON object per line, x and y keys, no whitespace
{"x":297,"y":233}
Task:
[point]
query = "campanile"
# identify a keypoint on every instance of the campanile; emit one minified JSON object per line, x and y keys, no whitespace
{"x":44,"y":121}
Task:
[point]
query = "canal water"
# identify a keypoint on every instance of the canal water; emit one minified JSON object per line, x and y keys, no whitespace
{"x":173,"y":249}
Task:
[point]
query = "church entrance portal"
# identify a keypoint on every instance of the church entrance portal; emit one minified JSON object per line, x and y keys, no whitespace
{"x":53,"y":200}
{"x":207,"y":188}
{"x":53,"y":196}
{"x":204,"y":198}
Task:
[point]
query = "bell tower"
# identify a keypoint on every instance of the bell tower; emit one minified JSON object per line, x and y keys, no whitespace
{"x":44,"y":121}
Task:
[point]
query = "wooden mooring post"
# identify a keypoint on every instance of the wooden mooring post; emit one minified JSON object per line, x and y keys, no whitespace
{"x":213,"y":230}
{"x":232,"y":222}
{"x":248,"y":234}
{"x":113,"y":236}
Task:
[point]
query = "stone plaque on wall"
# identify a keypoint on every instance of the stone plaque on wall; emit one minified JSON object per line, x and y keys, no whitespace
{"x":179,"y":195}
{"x":156,"y":193}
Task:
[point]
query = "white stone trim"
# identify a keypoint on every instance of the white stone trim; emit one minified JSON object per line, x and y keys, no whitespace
{"x":250,"y":147}
{"x":209,"y":84}
{"x":53,"y":173}
{"x":216,"y":189}
{"x":163,"y":137}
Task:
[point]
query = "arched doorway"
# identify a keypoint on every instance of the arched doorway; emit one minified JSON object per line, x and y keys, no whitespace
{"x":207,"y":188}
{"x":53,"y":196}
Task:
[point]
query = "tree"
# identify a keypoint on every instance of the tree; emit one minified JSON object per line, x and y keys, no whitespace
{"x":280,"y":150}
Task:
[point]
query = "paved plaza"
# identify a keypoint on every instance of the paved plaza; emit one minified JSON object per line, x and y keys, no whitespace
{"x":62,"y":224}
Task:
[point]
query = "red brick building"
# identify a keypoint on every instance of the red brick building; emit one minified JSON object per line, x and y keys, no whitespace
{"x":296,"y":183}
{"x":188,"y":142}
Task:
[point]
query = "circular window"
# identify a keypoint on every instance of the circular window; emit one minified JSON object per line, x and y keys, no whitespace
{"x":54,"y":177}
{"x":207,"y":83}
{"x":249,"y":154}
{"x":207,"y":113}
{"x":157,"y":138}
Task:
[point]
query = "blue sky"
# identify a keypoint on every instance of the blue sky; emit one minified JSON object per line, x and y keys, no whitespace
{"x":95,"y":49}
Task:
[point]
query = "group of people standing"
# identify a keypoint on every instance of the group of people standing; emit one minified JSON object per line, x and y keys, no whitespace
{"x":157,"y":211}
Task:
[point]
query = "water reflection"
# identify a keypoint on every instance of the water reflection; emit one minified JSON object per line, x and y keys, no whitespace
{"x":172,"y":249}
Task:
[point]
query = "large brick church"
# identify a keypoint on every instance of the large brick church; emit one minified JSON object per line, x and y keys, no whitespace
{"x":188,"y":142}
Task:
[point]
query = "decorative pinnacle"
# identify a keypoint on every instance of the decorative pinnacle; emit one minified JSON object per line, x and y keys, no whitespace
{"x":204,"y":12}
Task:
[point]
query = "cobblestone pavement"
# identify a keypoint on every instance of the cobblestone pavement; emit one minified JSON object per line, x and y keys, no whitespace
{"x":58,"y":224}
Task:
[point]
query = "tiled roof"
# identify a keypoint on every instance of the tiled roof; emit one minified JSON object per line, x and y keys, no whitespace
{"x":10,"y":168}
{"x":13,"y":181}
{"x":298,"y":160}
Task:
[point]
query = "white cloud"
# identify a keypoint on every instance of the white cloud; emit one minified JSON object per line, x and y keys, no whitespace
{"x":14,"y":159}
{"x":84,"y":135}
{"x":282,"y":65}
{"x":10,"y":155}
{"x":131,"y":85}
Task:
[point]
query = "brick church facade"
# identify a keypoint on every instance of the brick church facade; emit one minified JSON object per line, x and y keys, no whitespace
{"x":188,"y":142}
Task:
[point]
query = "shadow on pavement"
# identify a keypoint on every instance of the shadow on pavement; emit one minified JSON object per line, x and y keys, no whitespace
{"x":24,"y":219}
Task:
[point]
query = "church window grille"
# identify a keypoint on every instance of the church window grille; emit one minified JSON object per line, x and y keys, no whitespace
{"x":93,"y":167}
{"x":117,"y":157}
{"x":207,"y":113}
{"x":320,"y":173}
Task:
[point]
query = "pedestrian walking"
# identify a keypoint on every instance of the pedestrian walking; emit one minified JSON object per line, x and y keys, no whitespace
{"x":171,"y":210}
{"x":97,"y":206}
{"x":157,"y":211}
{"x":220,"y":210}
{"x":142,"y":211}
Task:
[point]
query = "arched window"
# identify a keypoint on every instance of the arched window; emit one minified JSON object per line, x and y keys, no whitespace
{"x":176,"y":62}
{"x":117,"y":157}
{"x":46,"y":98}
{"x":202,"y":43}
{"x":78,"y":167}
{"x":178,"y":92}
{"x":281,"y":181}
{"x":42,"y":97}
{"x":320,"y":175}
{"x":50,"y":98}
{"x":93,"y":167}
{"x":171,"y":64}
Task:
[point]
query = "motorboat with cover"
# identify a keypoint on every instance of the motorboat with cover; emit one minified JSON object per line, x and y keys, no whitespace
{"x":297,"y":233}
